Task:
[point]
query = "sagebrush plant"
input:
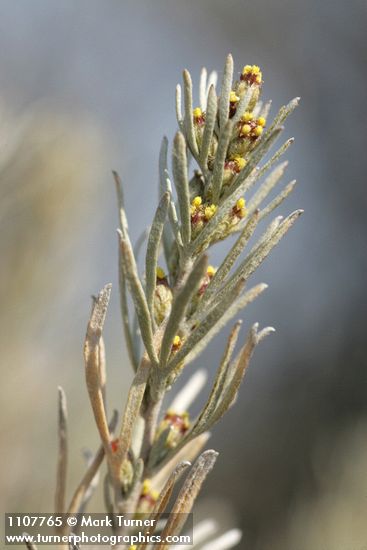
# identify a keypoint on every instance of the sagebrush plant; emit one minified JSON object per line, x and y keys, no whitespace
{"x":181,"y":302}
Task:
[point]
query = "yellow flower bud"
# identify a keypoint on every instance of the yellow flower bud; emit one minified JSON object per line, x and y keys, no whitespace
{"x":240,"y":203}
{"x":247,"y":116}
{"x":147,"y":485}
{"x":261,"y":121}
{"x":176,"y":342}
{"x":246,"y":129}
{"x":154,"y":494}
{"x":211,"y":271}
{"x":233,"y":97}
{"x":197,"y":112}
{"x":160,"y":273}
{"x":258,"y":131}
{"x":240,"y":162}
{"x":209,"y":211}
{"x":197,"y":201}
{"x":246,"y":69}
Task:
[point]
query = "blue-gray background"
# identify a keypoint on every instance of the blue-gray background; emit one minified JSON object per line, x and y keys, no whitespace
{"x":88,"y":86}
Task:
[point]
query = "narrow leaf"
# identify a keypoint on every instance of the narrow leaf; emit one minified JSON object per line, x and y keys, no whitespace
{"x":132,"y":408}
{"x":212,"y":81}
{"x":220,"y":158}
{"x":260,"y":252}
{"x":232,"y":310}
{"x":163,"y":499}
{"x":154,"y":240}
{"x":92,"y":367}
{"x":278,"y":200}
{"x":62,"y":454}
{"x":90,"y":473}
{"x":120,"y":201}
{"x":282,"y":149}
{"x":239,"y":371}
{"x":188,"y":121}
{"x":122,"y":281}
{"x":125,"y":314}
{"x":210,"y":118}
{"x":179,"y":166}
{"x":225,"y":91}
{"x":163,"y":153}
{"x":213,"y":316}
{"x":167,"y":237}
{"x":178,"y":105}
{"x":188,"y":495}
{"x":219,"y":382}
{"x":138,"y":296}
{"x":266,"y":187}
{"x":202,"y":88}
{"x":185,"y":451}
{"x":230,"y":259}
{"x":242,"y":106}
{"x":284,"y":112}
{"x":179,"y":307}
{"x":172,"y":214}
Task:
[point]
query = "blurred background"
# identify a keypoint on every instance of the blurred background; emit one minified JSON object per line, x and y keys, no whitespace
{"x":87,"y":87}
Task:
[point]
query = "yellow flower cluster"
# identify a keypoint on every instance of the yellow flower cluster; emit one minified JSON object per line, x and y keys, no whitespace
{"x":147,"y":490}
{"x":250,"y":127}
{"x":198,"y":116}
{"x":239,"y":210}
{"x":177,"y":343}
{"x":179,"y":423}
{"x":210,"y":272}
{"x":251,"y":74}
{"x":148,"y":497}
{"x":232,"y":166}
{"x":233,"y":97}
{"x":233,"y":100}
{"x":201,"y":213}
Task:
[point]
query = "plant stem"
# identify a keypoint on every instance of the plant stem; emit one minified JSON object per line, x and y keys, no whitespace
{"x":151,"y":414}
